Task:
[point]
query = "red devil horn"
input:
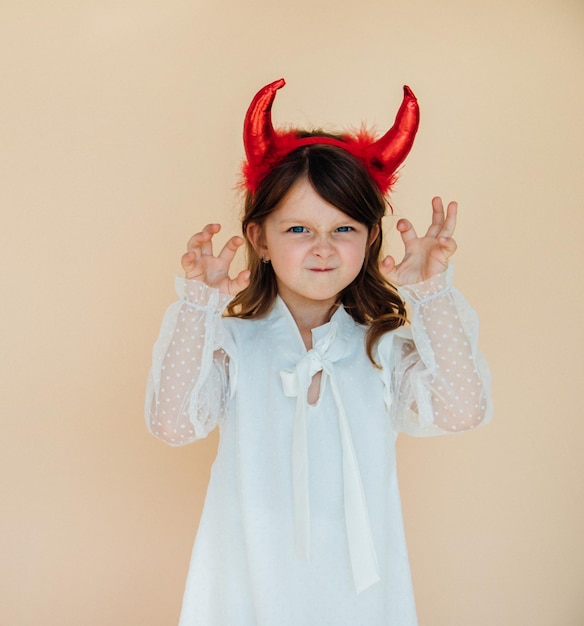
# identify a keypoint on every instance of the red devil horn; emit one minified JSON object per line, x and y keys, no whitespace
{"x":389,"y":152}
{"x":258,"y":132}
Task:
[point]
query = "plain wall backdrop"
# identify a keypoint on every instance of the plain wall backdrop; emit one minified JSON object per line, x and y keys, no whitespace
{"x":120,"y":136}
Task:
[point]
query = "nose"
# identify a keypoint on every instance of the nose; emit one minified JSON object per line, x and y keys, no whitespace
{"x":323,"y":247}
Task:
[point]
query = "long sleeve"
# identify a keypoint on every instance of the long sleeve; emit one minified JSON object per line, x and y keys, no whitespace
{"x":438,"y":380}
{"x":188,"y":383}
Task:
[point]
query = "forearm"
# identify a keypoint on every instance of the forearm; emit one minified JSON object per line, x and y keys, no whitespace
{"x":449,"y":382}
{"x":187,"y":384}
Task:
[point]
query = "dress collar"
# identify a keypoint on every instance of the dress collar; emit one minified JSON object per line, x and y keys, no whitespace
{"x":341,"y":326}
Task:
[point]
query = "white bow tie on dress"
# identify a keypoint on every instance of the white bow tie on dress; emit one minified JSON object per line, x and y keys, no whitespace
{"x":296,"y":383}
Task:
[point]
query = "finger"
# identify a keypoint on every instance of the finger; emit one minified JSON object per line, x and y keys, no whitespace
{"x":207,"y":242}
{"x":189,"y":262}
{"x":198,"y":241}
{"x":450,"y":221}
{"x":204,"y":235}
{"x":437,"y":217}
{"x":202,"y":240}
{"x":448,"y":246}
{"x":387,"y":265}
{"x":390,"y":270}
{"x":230,"y":248}
{"x":406,"y":230}
{"x":239,"y":283}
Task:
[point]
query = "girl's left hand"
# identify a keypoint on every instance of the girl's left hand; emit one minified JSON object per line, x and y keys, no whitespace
{"x":424,"y":256}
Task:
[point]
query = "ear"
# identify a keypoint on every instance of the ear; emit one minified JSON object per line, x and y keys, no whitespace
{"x":255,"y":234}
{"x":373,"y":234}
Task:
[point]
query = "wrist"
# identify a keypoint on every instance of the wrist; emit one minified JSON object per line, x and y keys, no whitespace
{"x":430,"y":288}
{"x":198,"y":294}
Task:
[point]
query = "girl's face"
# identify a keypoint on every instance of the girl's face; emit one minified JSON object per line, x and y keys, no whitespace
{"x":315,"y":249}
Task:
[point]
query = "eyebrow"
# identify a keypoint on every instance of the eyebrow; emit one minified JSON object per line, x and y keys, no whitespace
{"x":294,"y":220}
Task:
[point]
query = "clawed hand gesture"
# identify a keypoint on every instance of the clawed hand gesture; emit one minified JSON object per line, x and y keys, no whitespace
{"x":425,"y":256}
{"x":199,"y":263}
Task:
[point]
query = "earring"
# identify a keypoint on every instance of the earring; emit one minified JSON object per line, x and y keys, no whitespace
{"x":264,"y":260}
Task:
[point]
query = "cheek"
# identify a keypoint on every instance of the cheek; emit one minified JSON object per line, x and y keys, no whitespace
{"x":285,"y":257}
{"x":358,"y":252}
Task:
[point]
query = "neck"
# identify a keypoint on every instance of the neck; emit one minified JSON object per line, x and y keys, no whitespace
{"x":309,"y":316}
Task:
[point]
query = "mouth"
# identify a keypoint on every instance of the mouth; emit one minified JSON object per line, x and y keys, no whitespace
{"x":321,"y":269}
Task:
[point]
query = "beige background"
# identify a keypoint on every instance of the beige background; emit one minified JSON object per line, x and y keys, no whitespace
{"x":120,"y":135}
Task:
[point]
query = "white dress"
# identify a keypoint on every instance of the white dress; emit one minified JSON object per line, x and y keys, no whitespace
{"x":302,"y":523}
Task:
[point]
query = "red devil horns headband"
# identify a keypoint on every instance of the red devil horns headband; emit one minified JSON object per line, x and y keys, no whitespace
{"x":266,"y":147}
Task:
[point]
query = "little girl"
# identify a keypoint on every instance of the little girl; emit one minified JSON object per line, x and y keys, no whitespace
{"x":305,"y":363}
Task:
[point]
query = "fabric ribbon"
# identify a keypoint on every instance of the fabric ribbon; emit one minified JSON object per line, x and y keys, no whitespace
{"x":296,"y":383}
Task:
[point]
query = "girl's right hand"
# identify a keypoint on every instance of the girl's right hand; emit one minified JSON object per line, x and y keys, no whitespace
{"x":200,"y":264}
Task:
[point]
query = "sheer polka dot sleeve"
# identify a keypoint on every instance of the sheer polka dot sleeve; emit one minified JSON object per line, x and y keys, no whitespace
{"x":188,"y":382}
{"x":439,"y":381}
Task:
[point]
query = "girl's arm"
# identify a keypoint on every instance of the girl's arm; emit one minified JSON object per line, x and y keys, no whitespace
{"x":439,"y":380}
{"x":188,"y":382}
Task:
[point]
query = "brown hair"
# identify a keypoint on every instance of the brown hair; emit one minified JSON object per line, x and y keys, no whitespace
{"x":341,"y":180}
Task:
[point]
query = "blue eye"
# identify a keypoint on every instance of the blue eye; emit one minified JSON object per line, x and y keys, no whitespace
{"x":297,"y":229}
{"x":344,"y":229}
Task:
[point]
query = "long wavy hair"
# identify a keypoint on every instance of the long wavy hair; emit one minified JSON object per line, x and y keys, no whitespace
{"x":342,"y":181}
